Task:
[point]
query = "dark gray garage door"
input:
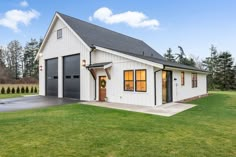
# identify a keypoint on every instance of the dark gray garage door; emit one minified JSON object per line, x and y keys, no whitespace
{"x":71,"y":76}
{"x":52,"y":77}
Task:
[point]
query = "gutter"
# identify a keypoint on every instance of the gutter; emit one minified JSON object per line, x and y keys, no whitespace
{"x":155,"y":82}
{"x":90,"y":54}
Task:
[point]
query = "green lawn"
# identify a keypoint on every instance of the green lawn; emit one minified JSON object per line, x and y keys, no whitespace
{"x":5,"y":96}
{"x":208,"y":129}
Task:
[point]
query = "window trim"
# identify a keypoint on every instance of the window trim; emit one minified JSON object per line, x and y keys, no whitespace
{"x":59,"y":37}
{"x":128,"y":80}
{"x":182,"y":81}
{"x":140,"y":80}
{"x":193,"y":81}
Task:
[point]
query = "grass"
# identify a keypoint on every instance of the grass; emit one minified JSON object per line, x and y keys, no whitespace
{"x":79,"y":130}
{"x":5,"y":96}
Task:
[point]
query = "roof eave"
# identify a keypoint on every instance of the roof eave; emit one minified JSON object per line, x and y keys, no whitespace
{"x":167,"y":67}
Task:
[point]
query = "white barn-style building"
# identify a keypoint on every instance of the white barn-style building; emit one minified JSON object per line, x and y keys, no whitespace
{"x":87,"y":62}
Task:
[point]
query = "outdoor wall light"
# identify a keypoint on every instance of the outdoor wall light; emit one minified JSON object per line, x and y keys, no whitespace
{"x":84,"y":62}
{"x":40,"y":54}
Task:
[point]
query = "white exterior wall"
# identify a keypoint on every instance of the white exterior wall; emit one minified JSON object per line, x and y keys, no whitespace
{"x":115,"y":86}
{"x":158,"y":87}
{"x":69,"y":44}
{"x":186,"y":91}
{"x":42,"y":77}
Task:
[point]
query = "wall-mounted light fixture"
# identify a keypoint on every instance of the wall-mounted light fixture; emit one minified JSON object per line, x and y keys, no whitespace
{"x":84,"y":62}
{"x":40,"y":54}
{"x":40,"y":68}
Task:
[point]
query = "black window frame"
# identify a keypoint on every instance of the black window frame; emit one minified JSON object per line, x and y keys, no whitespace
{"x":140,"y":80}
{"x":194,"y":81}
{"x":59,"y":33}
{"x":128,"y":80}
{"x":182,"y":78}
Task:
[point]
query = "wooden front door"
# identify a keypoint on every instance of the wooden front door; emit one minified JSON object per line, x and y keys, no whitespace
{"x":102,"y":88}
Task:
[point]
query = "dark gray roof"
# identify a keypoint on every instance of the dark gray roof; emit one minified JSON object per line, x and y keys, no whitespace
{"x":96,"y":35}
{"x":99,"y":36}
{"x":97,"y":65}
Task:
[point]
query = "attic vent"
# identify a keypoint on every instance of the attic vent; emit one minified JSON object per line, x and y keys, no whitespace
{"x":143,"y":53}
{"x":152,"y":54}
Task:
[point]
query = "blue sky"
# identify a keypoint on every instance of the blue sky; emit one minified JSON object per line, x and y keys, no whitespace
{"x":194,"y":25}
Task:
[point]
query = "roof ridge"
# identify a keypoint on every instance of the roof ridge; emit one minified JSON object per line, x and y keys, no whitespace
{"x":99,"y":26}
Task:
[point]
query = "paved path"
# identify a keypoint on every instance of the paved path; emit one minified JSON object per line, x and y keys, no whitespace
{"x":167,"y":110}
{"x":30,"y":102}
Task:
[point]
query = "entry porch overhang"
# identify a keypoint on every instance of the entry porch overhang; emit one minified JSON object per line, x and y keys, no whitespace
{"x":104,"y":65}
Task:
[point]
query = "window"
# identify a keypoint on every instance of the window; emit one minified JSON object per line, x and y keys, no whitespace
{"x":194,"y":80}
{"x":140,"y":81}
{"x":182,"y":78}
{"x":128,"y":80}
{"x":59,"y":33}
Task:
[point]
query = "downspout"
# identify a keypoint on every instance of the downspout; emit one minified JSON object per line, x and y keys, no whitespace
{"x":155,"y":82}
{"x":90,"y":61}
{"x":90,"y":54}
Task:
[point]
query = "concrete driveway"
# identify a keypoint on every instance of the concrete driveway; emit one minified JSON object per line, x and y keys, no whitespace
{"x":31,"y":102}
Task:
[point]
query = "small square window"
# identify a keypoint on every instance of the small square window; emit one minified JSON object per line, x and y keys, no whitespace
{"x":182,"y":78}
{"x":59,"y":33}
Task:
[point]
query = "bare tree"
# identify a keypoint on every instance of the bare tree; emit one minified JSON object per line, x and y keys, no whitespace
{"x":14,"y":58}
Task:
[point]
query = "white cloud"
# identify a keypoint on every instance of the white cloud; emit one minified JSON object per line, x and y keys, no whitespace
{"x":13,"y":18}
{"x":24,"y":3}
{"x":132,"y":18}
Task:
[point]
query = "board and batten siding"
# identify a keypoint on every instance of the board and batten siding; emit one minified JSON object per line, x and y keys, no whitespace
{"x":69,"y":44}
{"x":115,"y":86}
{"x":186,"y":91}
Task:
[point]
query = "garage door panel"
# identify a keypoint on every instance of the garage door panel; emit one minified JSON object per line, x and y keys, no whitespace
{"x":52,"y":77}
{"x":71,"y":76}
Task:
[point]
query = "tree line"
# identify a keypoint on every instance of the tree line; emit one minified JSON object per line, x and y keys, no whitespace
{"x":220,"y":65}
{"x":17,"y":62}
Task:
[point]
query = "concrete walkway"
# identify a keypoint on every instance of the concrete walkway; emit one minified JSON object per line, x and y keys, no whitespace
{"x":167,"y":110}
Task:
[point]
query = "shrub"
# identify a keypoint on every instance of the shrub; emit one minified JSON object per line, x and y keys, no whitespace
{"x":22,"y":89}
{"x":32,"y":90}
{"x":18,"y":90}
{"x":3,"y":90}
{"x":27,"y":89}
{"x":13,"y":90}
{"x":8,"y":90}
{"x":35,"y":90}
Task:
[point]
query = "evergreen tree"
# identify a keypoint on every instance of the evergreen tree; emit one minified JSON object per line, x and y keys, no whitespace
{"x":27,"y":89}
{"x":180,"y":56}
{"x":8,"y":90}
{"x":234,"y":70}
{"x":210,"y":64}
{"x":182,"y":59}
{"x":30,"y":51}
{"x":169,"y":56}
{"x":3,"y":90}
{"x":224,"y":71}
{"x":13,"y":90}
{"x":18,"y":90}
{"x":22,"y":90}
